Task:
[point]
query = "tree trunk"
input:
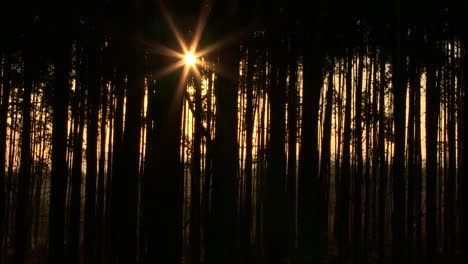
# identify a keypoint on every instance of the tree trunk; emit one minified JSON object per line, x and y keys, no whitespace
{"x":464,"y":179}
{"x":23,"y":205}
{"x":325,"y":166}
{"x":59,"y":150}
{"x":249,"y":123}
{"x":127,"y":180}
{"x":113,"y":180}
{"x":78,"y":111}
{"x":399,"y":108}
{"x":358,"y":148}
{"x":432,"y":117}
{"x":346,"y":173}
{"x":93,"y":87}
{"x":413,"y":80}
{"x":223,"y":238}
{"x":309,"y":182}
{"x":275,"y":187}
{"x":6,"y":76}
{"x":195,"y":177}
{"x":292,"y":144}
{"x":452,"y":159}
{"x":382,"y":162}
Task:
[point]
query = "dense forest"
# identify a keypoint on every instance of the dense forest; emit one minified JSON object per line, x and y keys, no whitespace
{"x":324,"y":131}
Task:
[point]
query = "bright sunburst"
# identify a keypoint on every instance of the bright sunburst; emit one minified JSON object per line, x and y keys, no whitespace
{"x":190,"y":59}
{"x":189,"y":54}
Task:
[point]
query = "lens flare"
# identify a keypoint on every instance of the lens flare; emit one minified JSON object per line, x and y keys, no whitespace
{"x":190,"y":59}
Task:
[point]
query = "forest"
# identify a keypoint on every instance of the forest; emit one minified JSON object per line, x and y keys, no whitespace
{"x":234,"y":131}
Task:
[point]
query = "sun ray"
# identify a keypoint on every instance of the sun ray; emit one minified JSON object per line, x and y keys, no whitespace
{"x":180,"y":89}
{"x":197,"y":73}
{"x":163,"y":50}
{"x":232,"y":38}
{"x":169,"y":68}
{"x":173,"y":27}
{"x":205,"y":11}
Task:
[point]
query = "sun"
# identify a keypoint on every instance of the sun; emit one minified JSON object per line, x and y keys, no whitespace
{"x":190,"y":59}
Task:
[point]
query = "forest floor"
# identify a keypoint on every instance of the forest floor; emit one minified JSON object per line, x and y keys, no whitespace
{"x":39,"y":256}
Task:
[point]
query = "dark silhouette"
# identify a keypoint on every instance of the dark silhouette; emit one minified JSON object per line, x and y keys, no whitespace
{"x":324,"y":132}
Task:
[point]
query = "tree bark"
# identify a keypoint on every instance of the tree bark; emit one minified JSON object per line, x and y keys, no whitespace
{"x":59,"y":148}
{"x":399,"y":249}
{"x":346,"y":170}
{"x":325,"y":166}
{"x":23,"y":205}
{"x":93,"y":87}
{"x":382,"y":162}
{"x":6,"y":76}
{"x":359,"y":171}
{"x":195,"y":177}
{"x":309,"y":182}
{"x":432,"y":117}
{"x":223,"y":238}
{"x":275,"y":239}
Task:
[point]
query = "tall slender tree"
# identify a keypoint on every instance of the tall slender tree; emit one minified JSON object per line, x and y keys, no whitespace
{"x":62,"y":65}
{"x":325,"y":166}
{"x":196,"y":177}
{"x":93,"y":89}
{"x":23,"y":205}
{"x":292,"y":141}
{"x":6,"y":75}
{"x":346,"y":164}
{"x":359,"y":170}
{"x":249,"y":124}
{"x":275,"y":191}
{"x":309,"y":184}
{"x":399,"y":117}
{"x":432,"y":117}
{"x":223,"y":239}
{"x":78,"y":111}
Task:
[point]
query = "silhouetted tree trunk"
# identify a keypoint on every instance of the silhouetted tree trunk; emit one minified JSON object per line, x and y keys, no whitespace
{"x":399,"y":249}
{"x":208,"y":161}
{"x":93,"y":87}
{"x":102,"y":170}
{"x":78,"y":111}
{"x":339,"y":124}
{"x":62,"y":61}
{"x":113,"y":181}
{"x":127,"y":182}
{"x":371,"y":146}
{"x":223,"y":238}
{"x":346,"y":173}
{"x":249,"y":123}
{"x":325,"y":166}
{"x":432,"y":117}
{"x":275,"y":192}
{"x":163,"y":182}
{"x":418,"y":165}
{"x":464,"y":179}
{"x":450,"y":188}
{"x":195,"y":177}
{"x":309,"y":182}
{"x":6,"y":76}
{"x":382,"y":162}
{"x":410,"y":208}
{"x":292,"y":143}
{"x":222,"y":244}
{"x":359,"y":171}
{"x":23,"y":205}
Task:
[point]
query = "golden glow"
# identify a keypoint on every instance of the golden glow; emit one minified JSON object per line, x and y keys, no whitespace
{"x":189,"y":53}
{"x":190,"y":59}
